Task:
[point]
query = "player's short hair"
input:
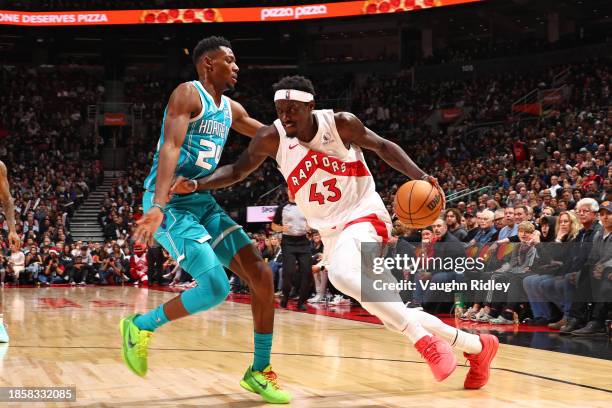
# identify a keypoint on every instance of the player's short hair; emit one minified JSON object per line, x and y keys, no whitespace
{"x":209,"y":44}
{"x":297,"y":82}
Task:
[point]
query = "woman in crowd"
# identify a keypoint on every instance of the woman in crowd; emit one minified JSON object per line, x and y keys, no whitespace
{"x":557,"y":290}
{"x":272,"y":254}
{"x":33,"y":264}
{"x":16,"y":264}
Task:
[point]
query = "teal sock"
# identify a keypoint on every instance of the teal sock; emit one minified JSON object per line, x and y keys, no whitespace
{"x":152,"y":320}
{"x":263,"y":346}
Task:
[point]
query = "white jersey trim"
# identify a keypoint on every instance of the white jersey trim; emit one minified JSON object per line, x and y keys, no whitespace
{"x":195,"y":85}
{"x":210,"y":96}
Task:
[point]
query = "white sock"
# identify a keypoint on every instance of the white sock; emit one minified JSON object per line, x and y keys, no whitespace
{"x":470,"y":343}
{"x":396,"y":317}
{"x":415,"y":332}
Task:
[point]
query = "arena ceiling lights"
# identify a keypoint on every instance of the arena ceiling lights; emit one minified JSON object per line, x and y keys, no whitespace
{"x":221,"y":15}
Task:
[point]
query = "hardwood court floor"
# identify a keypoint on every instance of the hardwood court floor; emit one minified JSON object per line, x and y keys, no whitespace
{"x":69,"y":336}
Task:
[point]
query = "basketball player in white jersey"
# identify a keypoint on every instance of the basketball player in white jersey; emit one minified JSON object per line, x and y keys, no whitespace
{"x":319,"y":153}
{"x":9,"y":214}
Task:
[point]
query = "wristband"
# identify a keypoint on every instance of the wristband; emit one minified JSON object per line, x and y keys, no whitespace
{"x":195,"y":187}
{"x":158,"y":206}
{"x":425,"y":177}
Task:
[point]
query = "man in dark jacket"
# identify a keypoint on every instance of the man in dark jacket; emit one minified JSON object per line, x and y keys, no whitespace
{"x":582,"y":264}
{"x":600,"y":276}
{"x":295,"y":248}
{"x":399,"y":244}
{"x":447,"y":247}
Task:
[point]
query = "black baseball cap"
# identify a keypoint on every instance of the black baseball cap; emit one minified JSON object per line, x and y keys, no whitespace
{"x":606,"y":205}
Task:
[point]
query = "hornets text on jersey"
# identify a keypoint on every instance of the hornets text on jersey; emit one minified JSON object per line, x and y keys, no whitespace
{"x":204,"y":141}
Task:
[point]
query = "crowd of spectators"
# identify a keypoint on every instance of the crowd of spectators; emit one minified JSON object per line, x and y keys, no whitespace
{"x":483,"y":47}
{"x":53,"y":161}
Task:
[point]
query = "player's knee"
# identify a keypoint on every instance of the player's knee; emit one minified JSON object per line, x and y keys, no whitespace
{"x":219,"y":285}
{"x":260,"y":280}
{"x":212,"y":289}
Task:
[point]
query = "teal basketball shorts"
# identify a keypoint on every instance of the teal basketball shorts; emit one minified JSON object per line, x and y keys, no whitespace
{"x":199,"y":218}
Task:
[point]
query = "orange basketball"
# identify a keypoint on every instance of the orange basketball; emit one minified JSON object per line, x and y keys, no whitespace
{"x":418,"y":203}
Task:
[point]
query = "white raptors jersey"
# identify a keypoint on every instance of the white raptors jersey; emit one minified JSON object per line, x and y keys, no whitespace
{"x":332,"y":184}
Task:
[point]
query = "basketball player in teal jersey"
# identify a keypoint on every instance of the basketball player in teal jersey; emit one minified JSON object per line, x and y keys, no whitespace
{"x":192,"y":227}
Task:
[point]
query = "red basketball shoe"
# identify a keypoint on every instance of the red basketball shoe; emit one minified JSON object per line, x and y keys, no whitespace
{"x":480,"y":364}
{"x":438,"y":355}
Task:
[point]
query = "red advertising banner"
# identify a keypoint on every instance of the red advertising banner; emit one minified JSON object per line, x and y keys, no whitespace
{"x":450,"y":114}
{"x":220,"y":15}
{"x":115,"y":119}
{"x":530,"y":108}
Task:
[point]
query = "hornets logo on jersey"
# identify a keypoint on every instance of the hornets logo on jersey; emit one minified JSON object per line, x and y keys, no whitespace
{"x":204,"y":141}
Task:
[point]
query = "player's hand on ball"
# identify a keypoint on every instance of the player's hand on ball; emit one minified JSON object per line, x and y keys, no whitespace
{"x":183,"y":185}
{"x":434,"y":182}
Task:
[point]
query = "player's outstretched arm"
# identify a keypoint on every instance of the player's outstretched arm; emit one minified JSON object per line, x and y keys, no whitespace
{"x":351,"y":130}
{"x":242,"y":122}
{"x":264,"y":144}
{"x":8,"y":205}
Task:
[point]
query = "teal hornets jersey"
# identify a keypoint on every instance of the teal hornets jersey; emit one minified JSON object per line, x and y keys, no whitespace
{"x":204,"y":141}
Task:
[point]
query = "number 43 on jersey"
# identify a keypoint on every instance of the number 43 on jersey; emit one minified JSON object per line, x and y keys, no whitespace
{"x":326,"y":192}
